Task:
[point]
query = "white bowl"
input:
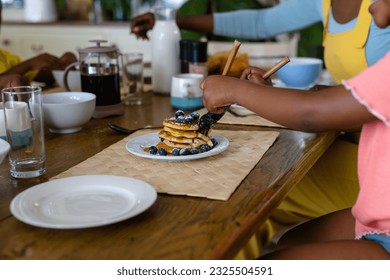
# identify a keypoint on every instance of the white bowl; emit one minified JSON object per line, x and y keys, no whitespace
{"x":67,"y":112}
{"x":74,"y":79}
{"x":300,"y":72}
{"x":4,"y":148}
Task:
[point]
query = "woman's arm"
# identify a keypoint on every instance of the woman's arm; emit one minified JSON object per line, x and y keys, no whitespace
{"x":288,"y":16}
{"x":291,"y":15}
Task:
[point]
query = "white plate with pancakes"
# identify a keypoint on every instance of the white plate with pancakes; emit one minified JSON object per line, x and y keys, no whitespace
{"x":83,"y":201}
{"x":137,"y":147}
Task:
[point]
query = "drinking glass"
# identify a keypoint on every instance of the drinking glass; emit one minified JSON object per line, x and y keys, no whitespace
{"x":25,"y":131}
{"x":133,"y":68}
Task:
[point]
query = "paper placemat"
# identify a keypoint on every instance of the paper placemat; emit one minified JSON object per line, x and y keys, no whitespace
{"x":213,"y":177}
{"x":255,"y":120}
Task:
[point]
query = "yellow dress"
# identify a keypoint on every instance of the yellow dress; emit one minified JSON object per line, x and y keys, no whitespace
{"x":9,"y":60}
{"x":332,"y":183}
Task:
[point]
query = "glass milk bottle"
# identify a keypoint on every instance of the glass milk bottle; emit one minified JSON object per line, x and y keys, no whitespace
{"x":165,"y":50}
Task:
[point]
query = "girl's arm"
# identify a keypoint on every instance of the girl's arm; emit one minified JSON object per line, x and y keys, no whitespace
{"x":330,"y":109}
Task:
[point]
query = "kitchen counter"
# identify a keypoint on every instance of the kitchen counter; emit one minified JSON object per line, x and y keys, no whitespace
{"x":30,"y":39}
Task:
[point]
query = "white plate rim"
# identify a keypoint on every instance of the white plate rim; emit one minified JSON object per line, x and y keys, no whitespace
{"x":135,"y":146}
{"x":144,"y":194}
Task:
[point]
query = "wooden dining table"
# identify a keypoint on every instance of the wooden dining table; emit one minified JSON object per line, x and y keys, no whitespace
{"x":175,"y":226}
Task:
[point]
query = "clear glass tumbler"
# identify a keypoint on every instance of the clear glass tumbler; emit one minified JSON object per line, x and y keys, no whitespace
{"x":25,"y":131}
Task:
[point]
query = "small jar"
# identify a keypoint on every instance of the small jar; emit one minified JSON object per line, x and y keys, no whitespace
{"x":198,"y":58}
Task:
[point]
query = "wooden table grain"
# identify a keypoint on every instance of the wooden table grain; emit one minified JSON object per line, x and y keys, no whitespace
{"x":175,"y":227}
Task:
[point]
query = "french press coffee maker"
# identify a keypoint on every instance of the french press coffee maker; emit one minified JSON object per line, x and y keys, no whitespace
{"x":99,"y":71}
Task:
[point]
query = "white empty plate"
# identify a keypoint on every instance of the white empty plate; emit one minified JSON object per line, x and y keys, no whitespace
{"x":83,"y":201}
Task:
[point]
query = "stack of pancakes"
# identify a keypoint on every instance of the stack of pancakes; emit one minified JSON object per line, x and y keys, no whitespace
{"x":181,"y":136}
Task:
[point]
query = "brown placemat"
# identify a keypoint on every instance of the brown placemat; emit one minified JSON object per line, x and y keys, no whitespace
{"x":254,"y":120}
{"x":214,"y":177}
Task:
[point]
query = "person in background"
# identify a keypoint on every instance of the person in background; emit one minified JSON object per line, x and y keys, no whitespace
{"x":352,"y":42}
{"x":348,"y":19}
{"x":37,"y":68}
{"x":364,"y":100}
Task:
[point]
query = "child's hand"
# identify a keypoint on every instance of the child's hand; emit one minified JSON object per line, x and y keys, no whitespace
{"x":218,"y":92}
{"x":255,"y":75}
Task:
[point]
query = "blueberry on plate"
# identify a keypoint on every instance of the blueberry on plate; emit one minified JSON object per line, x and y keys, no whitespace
{"x":214,"y":141}
{"x":175,"y":152}
{"x":162,"y":152}
{"x":205,"y":148}
{"x":153,"y":150}
{"x":194,"y":151}
{"x":184,"y":152}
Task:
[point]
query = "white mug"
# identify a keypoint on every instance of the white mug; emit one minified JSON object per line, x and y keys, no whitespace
{"x":18,"y":116}
{"x":186,"y":92}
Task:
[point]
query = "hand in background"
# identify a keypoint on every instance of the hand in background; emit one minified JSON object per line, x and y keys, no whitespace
{"x":140,"y":25}
{"x":12,"y":80}
{"x":44,"y":61}
{"x":68,"y":58}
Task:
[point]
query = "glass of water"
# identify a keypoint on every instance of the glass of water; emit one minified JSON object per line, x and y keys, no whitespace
{"x":133,"y":77}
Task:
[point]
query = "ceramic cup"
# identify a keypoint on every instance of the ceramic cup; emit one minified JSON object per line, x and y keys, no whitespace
{"x":25,"y":131}
{"x":186,"y":93}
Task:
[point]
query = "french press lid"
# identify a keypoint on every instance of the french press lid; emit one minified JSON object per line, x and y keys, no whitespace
{"x":99,"y":50}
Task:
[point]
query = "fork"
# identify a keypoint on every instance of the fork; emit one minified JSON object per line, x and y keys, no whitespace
{"x":129,"y":131}
{"x":240,"y":115}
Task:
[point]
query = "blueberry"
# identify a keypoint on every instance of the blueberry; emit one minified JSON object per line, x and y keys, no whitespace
{"x":205,"y":148}
{"x":153,"y":150}
{"x":202,"y":124}
{"x":188,"y":119}
{"x":195,"y":115}
{"x":184,"y":152}
{"x":181,"y":119}
{"x":175,"y":152}
{"x":215,"y":142}
{"x":162,"y":152}
{"x":194,"y":151}
{"x":179,"y":113}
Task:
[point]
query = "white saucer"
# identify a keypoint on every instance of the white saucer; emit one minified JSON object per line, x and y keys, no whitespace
{"x":136,"y":147}
{"x":83,"y":201}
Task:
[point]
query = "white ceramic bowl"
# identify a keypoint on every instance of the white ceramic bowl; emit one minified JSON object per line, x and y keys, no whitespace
{"x":4,"y":148}
{"x":300,"y":72}
{"x":67,"y":112}
{"x":74,"y":79}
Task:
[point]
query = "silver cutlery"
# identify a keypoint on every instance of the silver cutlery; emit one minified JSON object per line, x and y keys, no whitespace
{"x":129,"y":131}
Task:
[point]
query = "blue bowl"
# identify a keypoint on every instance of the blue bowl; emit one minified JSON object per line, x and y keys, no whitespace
{"x":300,"y":72}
